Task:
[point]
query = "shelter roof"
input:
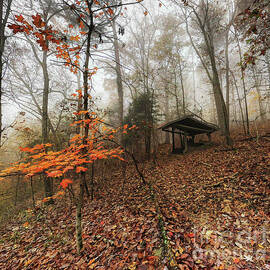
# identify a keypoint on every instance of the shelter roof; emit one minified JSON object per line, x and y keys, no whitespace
{"x":189,"y":125}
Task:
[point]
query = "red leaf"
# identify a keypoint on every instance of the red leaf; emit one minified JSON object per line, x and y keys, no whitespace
{"x":37,"y":21}
{"x":55,"y":173}
{"x":65,"y":182}
{"x":81,"y":169}
{"x":20,"y":18}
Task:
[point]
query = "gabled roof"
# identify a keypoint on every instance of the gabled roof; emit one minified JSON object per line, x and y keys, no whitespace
{"x":190,"y":125}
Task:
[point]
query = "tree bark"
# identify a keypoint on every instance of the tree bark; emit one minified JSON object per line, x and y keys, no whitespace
{"x":267,"y":59}
{"x":167,"y":135}
{"x":207,"y":32}
{"x":260,"y":104}
{"x":3,"y":23}
{"x":79,"y":203}
{"x":1,"y":94}
{"x":219,"y":100}
{"x":79,"y":206}
{"x":44,"y":122}
{"x":118,"y":78}
{"x":239,"y":100}
{"x":244,"y":85}
{"x":227,"y":74}
{"x":183,"y":89}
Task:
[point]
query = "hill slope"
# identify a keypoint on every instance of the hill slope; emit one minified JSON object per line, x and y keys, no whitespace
{"x":207,"y":209}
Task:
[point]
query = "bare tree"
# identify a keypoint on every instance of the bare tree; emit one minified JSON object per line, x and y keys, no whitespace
{"x":207,"y":18}
{"x":5,"y":9}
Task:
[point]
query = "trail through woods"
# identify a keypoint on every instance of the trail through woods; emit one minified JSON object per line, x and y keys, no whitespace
{"x":209,"y":209}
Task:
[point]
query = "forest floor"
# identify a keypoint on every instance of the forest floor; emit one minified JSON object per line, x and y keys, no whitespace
{"x":208,"y":209}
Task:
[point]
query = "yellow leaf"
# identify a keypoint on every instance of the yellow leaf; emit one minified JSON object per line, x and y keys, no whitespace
{"x":27,"y":263}
{"x":132,"y":266}
{"x":26,"y":224}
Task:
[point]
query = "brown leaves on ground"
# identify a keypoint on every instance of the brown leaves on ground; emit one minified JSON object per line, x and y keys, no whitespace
{"x":214,"y":203}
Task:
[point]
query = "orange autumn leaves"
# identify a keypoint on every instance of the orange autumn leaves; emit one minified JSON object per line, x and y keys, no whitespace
{"x":68,"y":50}
{"x":67,"y":42}
{"x":37,"y":28}
{"x":72,"y":160}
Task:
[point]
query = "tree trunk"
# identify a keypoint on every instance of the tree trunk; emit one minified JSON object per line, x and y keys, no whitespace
{"x":261,"y":109}
{"x":219,"y":100}
{"x":1,"y":94}
{"x":79,"y":203}
{"x":118,"y":78}
{"x":79,"y":206}
{"x":2,"y":44}
{"x":222,"y":114}
{"x":3,"y":22}
{"x":176,"y":95}
{"x":44,"y":122}
{"x":267,"y":59}
{"x":92,"y":180}
{"x":183,"y":90}
{"x":240,"y":105}
{"x":167,"y":135}
{"x":227,"y":74}
{"x":244,"y":85}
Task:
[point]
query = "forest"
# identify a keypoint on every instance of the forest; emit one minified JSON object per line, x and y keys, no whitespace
{"x":135,"y":134}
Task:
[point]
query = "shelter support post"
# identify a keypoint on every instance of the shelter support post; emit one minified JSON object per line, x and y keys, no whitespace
{"x":181,"y":140}
{"x":209,"y":137}
{"x":193,"y":139}
{"x":185,"y":144}
{"x":173,"y":142}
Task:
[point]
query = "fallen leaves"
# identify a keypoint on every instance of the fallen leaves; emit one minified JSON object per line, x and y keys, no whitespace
{"x":215,"y":217}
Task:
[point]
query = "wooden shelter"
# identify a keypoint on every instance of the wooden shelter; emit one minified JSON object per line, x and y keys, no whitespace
{"x":188,"y":127}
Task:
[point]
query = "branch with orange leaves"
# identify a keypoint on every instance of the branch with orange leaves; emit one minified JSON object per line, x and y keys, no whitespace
{"x":73,"y":159}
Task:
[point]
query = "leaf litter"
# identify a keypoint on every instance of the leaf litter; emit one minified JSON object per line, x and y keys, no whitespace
{"x":210,"y":211}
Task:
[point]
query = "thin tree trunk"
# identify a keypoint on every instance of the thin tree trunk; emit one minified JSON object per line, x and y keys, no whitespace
{"x":234,"y":105}
{"x":227,"y":74}
{"x":176,"y":97}
{"x":261,"y":109}
{"x":244,"y":85}
{"x":1,"y":94}
{"x":167,"y":135}
{"x":2,"y":44}
{"x":79,"y":203}
{"x":3,"y":23}
{"x":79,"y":206}
{"x":213,"y":109}
{"x":239,"y":100}
{"x":118,"y":78}
{"x":79,"y":104}
{"x":32,"y":192}
{"x":183,"y":90}
{"x":92,"y":181}
{"x":193,"y":81}
{"x":44,"y":122}
{"x":267,"y":59}
{"x":16,"y":190}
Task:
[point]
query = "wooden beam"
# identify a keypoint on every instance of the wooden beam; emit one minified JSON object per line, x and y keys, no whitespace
{"x":179,"y":126}
{"x":170,"y":131}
